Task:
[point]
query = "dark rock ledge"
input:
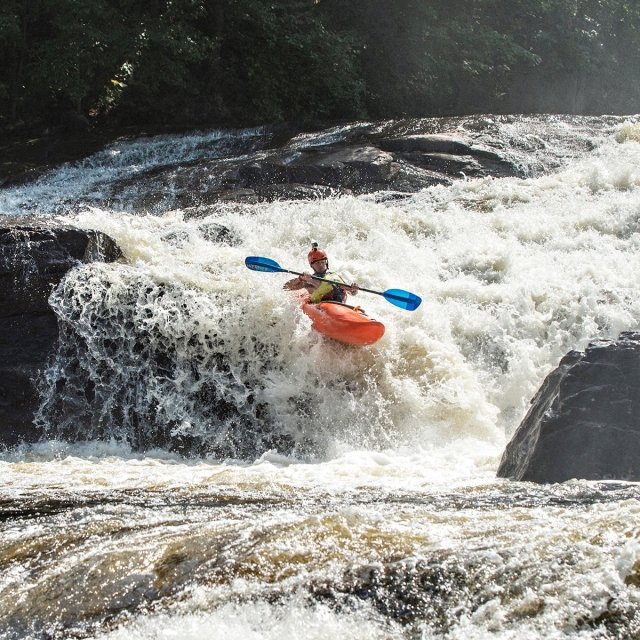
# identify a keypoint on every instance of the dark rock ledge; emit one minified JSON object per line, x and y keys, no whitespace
{"x":366,"y":163}
{"x":34,"y":257}
{"x":584,"y":422}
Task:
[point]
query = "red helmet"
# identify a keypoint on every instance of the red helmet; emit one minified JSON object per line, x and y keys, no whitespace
{"x":316,"y":254}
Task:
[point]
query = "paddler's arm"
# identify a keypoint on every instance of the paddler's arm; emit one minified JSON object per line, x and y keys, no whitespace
{"x":305,"y":281}
{"x":293,"y":285}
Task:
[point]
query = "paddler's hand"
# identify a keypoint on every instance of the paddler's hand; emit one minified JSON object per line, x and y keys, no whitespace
{"x":301,"y":282}
{"x":353,"y":288}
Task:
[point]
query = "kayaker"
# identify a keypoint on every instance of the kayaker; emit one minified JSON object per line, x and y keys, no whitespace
{"x":320,"y":291}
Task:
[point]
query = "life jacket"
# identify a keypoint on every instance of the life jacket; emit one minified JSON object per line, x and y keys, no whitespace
{"x":328,"y":292}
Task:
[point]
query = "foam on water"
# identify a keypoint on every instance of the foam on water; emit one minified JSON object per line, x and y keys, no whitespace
{"x":514,"y":273}
{"x":108,"y":466}
{"x":262,"y":622}
{"x":373,"y":397}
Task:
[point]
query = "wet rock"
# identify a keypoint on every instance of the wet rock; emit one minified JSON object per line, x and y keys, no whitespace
{"x":351,"y":167}
{"x":219,"y":234}
{"x":584,"y":422}
{"x":451,"y":156}
{"x":297,"y":191}
{"x":33,"y":260}
{"x":429,"y":143}
{"x":261,"y":172}
{"x":439,"y":589}
{"x":411,"y":179}
{"x":404,"y":156}
{"x":363,"y":159}
{"x":445,"y":162}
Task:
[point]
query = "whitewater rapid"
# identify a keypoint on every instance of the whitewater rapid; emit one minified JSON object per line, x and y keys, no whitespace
{"x":514,"y":273}
{"x":346,"y":491}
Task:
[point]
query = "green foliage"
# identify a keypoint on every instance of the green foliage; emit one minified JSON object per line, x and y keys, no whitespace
{"x":424,"y":58}
{"x":282,"y":63}
{"x":158,"y":77}
{"x":73,"y":62}
{"x":10,"y":38}
{"x":189,"y":62}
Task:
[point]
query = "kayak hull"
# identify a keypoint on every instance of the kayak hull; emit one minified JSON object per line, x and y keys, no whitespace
{"x":343,"y":323}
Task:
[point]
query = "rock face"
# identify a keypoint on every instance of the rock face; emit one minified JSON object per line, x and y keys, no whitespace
{"x":584,"y":421}
{"x":33,"y":260}
{"x":366,"y":159}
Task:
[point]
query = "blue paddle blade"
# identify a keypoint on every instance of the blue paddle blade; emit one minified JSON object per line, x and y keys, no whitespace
{"x":402,"y":299}
{"x":256,"y":263}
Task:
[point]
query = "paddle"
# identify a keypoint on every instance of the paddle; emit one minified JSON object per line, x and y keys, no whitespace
{"x":402,"y":299}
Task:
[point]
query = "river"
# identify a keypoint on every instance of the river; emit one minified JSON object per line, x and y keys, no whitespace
{"x":235,"y":475}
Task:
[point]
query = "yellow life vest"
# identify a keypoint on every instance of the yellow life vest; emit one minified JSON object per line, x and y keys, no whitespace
{"x":327,"y":291}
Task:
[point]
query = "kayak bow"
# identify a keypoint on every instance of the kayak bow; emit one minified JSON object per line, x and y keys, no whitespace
{"x":342,"y":322}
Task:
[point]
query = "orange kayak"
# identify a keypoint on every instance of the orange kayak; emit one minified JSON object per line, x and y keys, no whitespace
{"x":342,"y":322}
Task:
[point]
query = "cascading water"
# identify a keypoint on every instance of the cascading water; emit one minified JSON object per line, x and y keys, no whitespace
{"x":209,"y":465}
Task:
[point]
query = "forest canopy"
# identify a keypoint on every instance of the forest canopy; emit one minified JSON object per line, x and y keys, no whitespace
{"x":242,"y":62}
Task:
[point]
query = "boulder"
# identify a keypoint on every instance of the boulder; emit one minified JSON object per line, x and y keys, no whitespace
{"x":584,"y":422}
{"x":33,"y":260}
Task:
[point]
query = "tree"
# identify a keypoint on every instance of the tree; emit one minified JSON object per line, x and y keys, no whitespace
{"x":423,"y":58}
{"x":280,"y":61}
{"x":239,"y":62}
{"x":16,"y":17}
{"x":167,"y":60}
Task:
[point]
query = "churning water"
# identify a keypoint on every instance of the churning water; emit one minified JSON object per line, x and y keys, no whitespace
{"x":211,"y":468}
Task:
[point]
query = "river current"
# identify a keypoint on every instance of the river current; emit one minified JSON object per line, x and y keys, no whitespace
{"x":235,"y":475}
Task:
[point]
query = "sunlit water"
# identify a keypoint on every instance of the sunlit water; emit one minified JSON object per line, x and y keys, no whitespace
{"x":338,"y":492}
